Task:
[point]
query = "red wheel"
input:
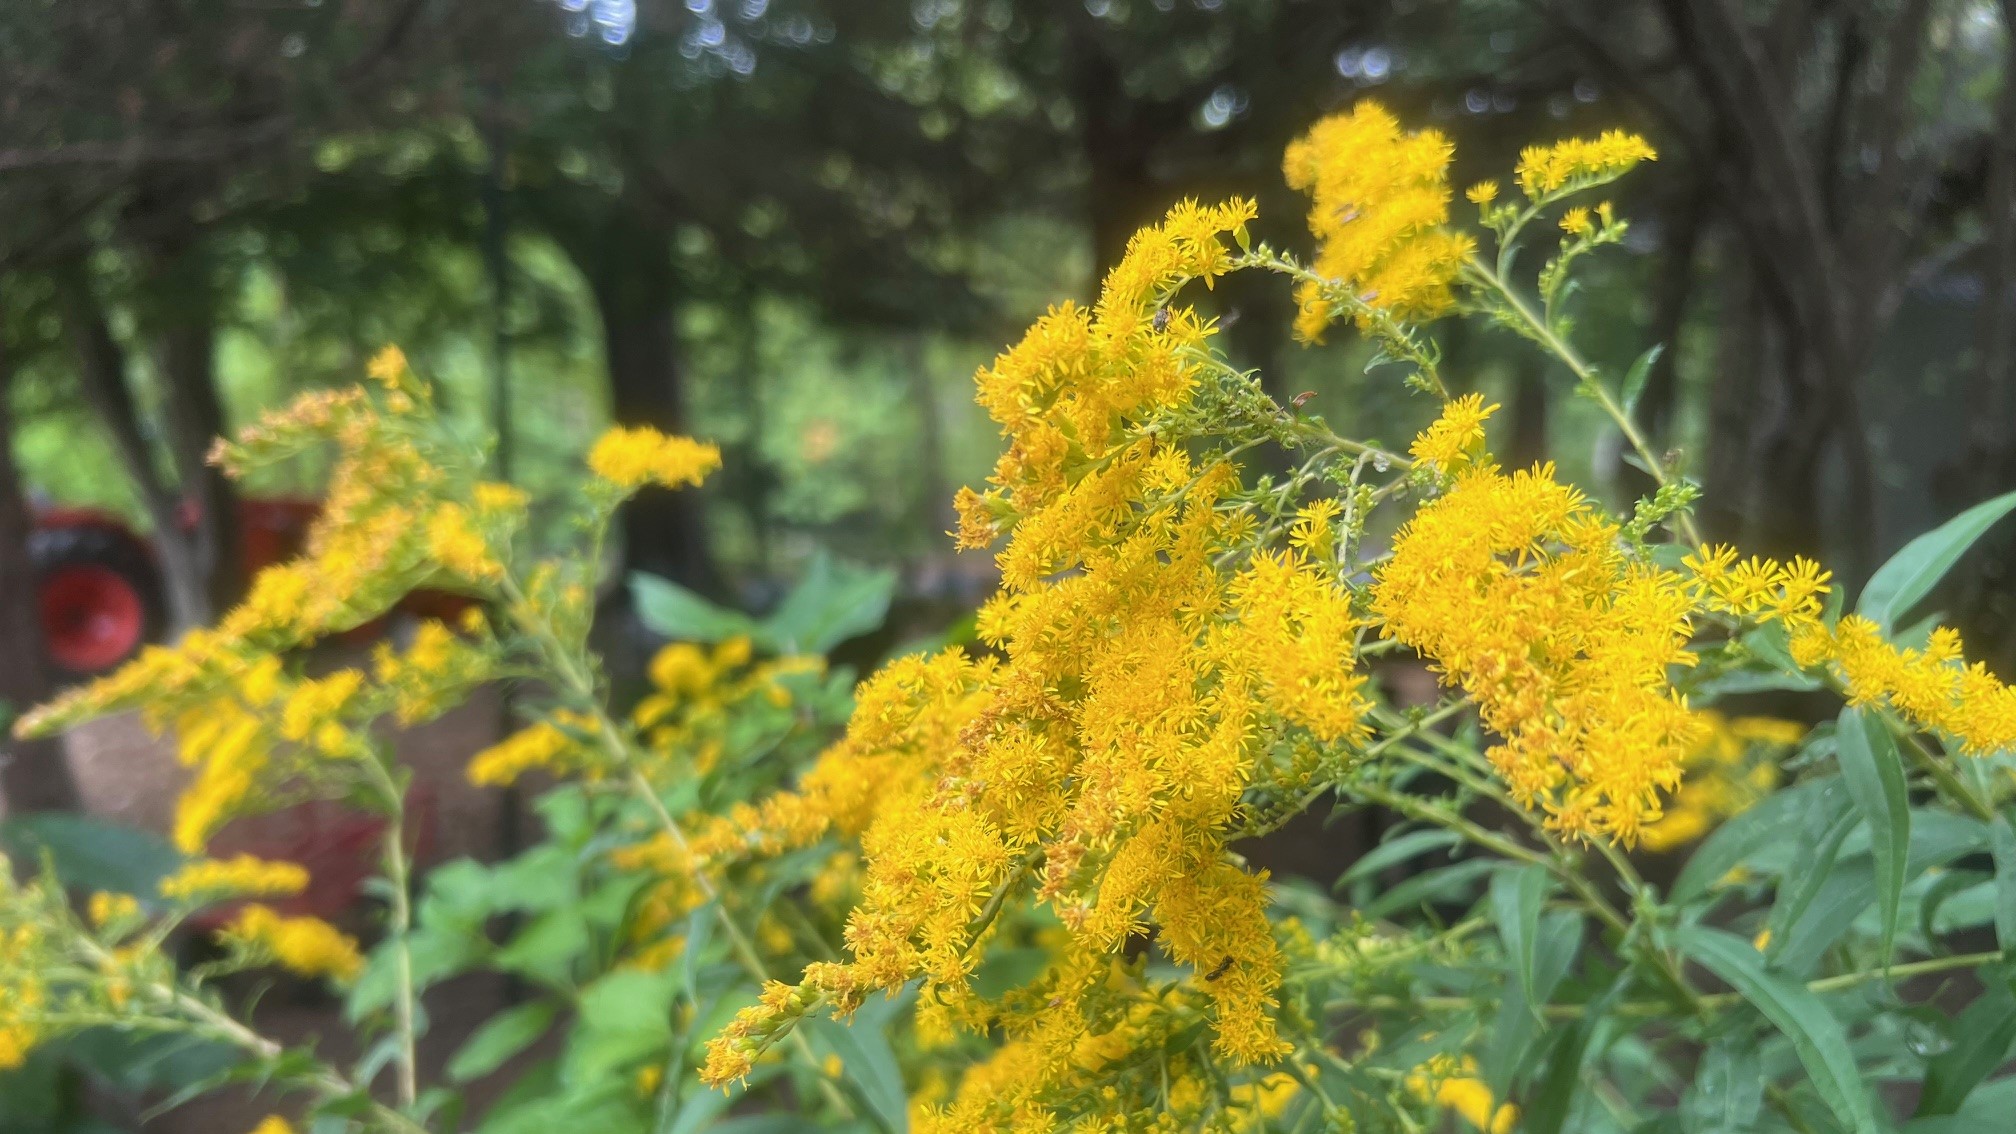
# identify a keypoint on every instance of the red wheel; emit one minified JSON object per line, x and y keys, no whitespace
{"x":92,"y":617}
{"x":99,"y":596}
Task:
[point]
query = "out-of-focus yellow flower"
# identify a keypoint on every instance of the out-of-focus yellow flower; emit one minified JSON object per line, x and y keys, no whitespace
{"x":105,"y":907}
{"x":241,"y":877}
{"x":307,"y":946}
{"x":634,"y":457}
{"x":1734,"y":765}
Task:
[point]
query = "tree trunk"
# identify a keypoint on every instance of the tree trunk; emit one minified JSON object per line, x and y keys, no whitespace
{"x":34,"y":776}
{"x":1528,"y":444}
{"x":630,"y":273}
{"x":101,"y":372}
{"x":186,"y":358}
{"x":1733,"y":401}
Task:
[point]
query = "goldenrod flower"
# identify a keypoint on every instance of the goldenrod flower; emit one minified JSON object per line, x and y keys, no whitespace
{"x":273,"y":1124}
{"x":1725,"y":775}
{"x":244,"y":876}
{"x":1933,"y":687}
{"x":306,"y":946}
{"x":106,"y":907}
{"x":388,"y":367}
{"x":1457,"y":436}
{"x":1379,"y":210}
{"x":1566,"y":164}
{"x":634,"y":457}
{"x":1520,"y":592}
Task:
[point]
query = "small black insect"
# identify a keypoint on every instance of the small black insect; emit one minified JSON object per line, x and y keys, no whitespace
{"x":1223,"y":966}
{"x":1161,"y":319}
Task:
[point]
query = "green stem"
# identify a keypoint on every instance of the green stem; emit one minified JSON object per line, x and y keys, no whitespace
{"x":1587,"y":380}
{"x":576,"y":679}
{"x":398,"y":878}
{"x":1942,"y":774}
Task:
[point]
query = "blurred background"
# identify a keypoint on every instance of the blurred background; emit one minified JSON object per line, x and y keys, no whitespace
{"x":795,"y":227}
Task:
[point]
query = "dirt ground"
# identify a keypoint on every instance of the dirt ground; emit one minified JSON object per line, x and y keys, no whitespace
{"x":132,"y":777}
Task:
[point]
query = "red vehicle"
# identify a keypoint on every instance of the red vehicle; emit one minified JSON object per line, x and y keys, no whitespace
{"x":101,"y":595}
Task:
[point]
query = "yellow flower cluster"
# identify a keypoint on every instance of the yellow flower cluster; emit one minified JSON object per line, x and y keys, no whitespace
{"x":1064,"y":393}
{"x":552,"y":745}
{"x":241,"y":877}
{"x":273,"y":1124}
{"x":1379,"y":211}
{"x":437,"y":668}
{"x":394,"y":518}
{"x":1119,"y":1070}
{"x":1934,"y":688}
{"x":1735,"y":764}
{"x":1757,"y":589}
{"x":1098,"y":765}
{"x":307,"y":946}
{"x":22,"y":994}
{"x":106,"y":908}
{"x":1580,"y":162}
{"x":634,"y":457}
{"x":1457,"y":436}
{"x":1452,"y":1084}
{"x":1522,"y":593}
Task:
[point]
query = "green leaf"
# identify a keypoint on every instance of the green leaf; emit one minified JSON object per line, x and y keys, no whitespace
{"x":869,"y":1066}
{"x":1634,"y":378}
{"x":501,"y":1037}
{"x":667,"y":608}
{"x":1982,"y":1037}
{"x":1727,"y":1093}
{"x":832,"y":603}
{"x":1874,"y":773}
{"x":698,"y":1110}
{"x":91,"y":854}
{"x":547,"y":949}
{"x":1815,"y":1034}
{"x":1773,"y":819}
{"x":1516,"y":897}
{"x":2002,"y":845}
{"x":1911,"y":574}
{"x":699,"y":931}
{"x":1443,"y":884}
{"x":624,"y":1018}
{"x":1395,"y":851}
{"x":1827,"y":827}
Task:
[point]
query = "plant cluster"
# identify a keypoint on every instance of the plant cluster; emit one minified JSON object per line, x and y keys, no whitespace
{"x":1011,"y":892}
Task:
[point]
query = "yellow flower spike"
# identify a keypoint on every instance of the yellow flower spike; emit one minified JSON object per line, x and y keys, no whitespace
{"x":1520,"y":592}
{"x":1548,"y":169}
{"x":632,"y":458}
{"x":306,"y":946}
{"x":1379,"y":209}
{"x":1457,"y":436}
{"x":388,"y":367}
{"x":105,"y":908}
{"x":1934,"y":688}
{"x":241,"y":877}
